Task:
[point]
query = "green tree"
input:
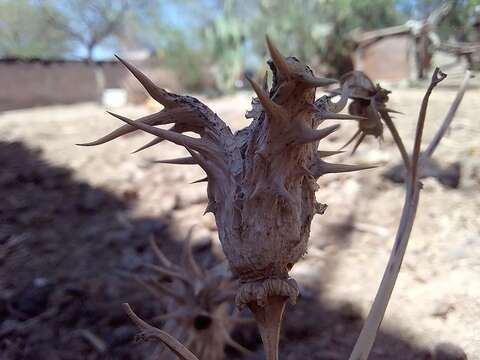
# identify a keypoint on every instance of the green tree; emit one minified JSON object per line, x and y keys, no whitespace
{"x":223,"y":42}
{"x":25,"y":31}
{"x":226,"y":35}
{"x":186,"y":60}
{"x":205,"y":40}
{"x":170,"y":44}
{"x":319,"y":31}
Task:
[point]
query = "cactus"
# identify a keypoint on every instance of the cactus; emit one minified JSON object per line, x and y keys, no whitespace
{"x":368,"y":101}
{"x":223,"y":40}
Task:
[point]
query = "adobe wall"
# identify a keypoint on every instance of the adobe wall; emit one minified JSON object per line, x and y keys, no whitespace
{"x":390,"y":58}
{"x":31,"y":83}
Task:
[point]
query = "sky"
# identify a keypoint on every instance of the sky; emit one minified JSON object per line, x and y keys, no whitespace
{"x":172,"y":15}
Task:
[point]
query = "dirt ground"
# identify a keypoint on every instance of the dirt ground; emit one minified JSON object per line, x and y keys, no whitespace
{"x":74,"y":219}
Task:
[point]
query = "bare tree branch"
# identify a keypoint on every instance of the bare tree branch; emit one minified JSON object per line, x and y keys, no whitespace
{"x":91,"y":22}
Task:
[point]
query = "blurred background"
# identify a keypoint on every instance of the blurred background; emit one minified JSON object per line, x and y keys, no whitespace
{"x":208,"y":46}
{"x":74,"y":221}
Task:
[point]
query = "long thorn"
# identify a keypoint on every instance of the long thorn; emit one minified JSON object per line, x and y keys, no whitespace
{"x":357,"y":144}
{"x":268,"y":104}
{"x":278,"y":59}
{"x":177,"y":161}
{"x":311,"y":81}
{"x":334,"y":116}
{"x":329,"y":168}
{"x":393,"y":111}
{"x":351,"y":139}
{"x":168,"y":135}
{"x":153,"y":119}
{"x":159,"y":94}
{"x":204,"y":179}
{"x":307,"y":134}
{"x":396,"y":137}
{"x":151,"y":143}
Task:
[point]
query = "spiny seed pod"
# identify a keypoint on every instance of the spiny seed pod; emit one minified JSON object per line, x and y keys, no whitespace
{"x":261,"y":180}
{"x":199,"y":304}
{"x":368,"y":101}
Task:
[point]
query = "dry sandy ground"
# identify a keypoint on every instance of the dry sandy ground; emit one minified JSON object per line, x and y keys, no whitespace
{"x":437,"y":297}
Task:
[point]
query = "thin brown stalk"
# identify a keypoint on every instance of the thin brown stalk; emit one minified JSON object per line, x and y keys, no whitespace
{"x":375,"y":316}
{"x":436,"y":78}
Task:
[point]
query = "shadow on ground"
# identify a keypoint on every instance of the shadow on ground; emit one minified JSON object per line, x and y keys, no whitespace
{"x":63,"y":244}
{"x":63,"y":247}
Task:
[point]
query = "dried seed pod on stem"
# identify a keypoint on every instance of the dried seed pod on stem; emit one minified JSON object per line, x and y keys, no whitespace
{"x":370,"y":102}
{"x":199,"y":304}
{"x":261,"y":180}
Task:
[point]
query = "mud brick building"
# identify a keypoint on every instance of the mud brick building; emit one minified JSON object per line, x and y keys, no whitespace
{"x":35,"y":82}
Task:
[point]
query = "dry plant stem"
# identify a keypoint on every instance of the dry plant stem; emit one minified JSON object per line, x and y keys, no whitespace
{"x":369,"y":331}
{"x":448,"y":119}
{"x":436,"y":78}
{"x":377,"y":311}
{"x":269,"y":320}
{"x":150,"y":332}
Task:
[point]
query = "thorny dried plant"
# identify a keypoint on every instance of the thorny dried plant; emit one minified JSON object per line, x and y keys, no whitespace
{"x":368,"y":101}
{"x":198,"y":303}
{"x":262,"y":182}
